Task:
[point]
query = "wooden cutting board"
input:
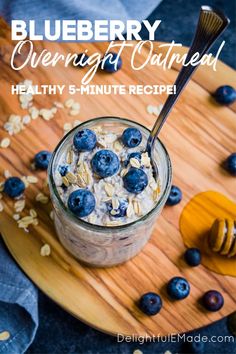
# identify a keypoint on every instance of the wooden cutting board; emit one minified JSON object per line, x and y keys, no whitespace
{"x":199,"y":135}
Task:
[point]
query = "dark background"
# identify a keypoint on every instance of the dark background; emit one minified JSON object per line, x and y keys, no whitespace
{"x":61,"y":333}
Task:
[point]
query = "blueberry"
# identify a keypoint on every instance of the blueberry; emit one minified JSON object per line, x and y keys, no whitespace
{"x":121,"y":210}
{"x":230,"y":164}
{"x":111,"y":62}
{"x":85,"y":140}
{"x":175,"y":196}
{"x":195,"y":347}
{"x":178,"y":288}
{"x":150,"y":303}
{"x":81,"y":202}
{"x":81,"y":60}
{"x":63,"y":169}
{"x":135,"y":180}
{"x":131,"y":137}
{"x":41,"y":159}
{"x":225,"y":95}
{"x":136,"y":155}
{"x":213,"y":300}
{"x":14,"y":187}
{"x":105,"y":163}
{"x":193,"y":256}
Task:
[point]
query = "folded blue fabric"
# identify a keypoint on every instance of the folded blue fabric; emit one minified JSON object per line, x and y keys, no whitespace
{"x":18,"y":296}
{"x":18,"y":305}
{"x":77,"y":9}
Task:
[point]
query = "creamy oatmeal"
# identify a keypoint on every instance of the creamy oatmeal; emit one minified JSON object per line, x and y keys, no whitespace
{"x":75,"y":171}
{"x":119,"y":197}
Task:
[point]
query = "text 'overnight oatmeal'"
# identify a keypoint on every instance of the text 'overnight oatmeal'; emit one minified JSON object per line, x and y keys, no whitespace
{"x":106,"y":178}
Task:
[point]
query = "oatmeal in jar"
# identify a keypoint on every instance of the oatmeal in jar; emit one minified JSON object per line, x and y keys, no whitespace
{"x":106,"y":178}
{"x":104,"y":195}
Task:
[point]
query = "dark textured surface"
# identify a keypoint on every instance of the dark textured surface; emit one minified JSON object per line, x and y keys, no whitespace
{"x":179,"y":18}
{"x":59,"y":332}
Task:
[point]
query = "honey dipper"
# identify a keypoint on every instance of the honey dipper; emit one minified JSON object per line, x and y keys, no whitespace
{"x":222,"y":237}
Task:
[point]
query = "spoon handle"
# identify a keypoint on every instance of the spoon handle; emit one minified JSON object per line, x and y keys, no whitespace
{"x":211,"y":24}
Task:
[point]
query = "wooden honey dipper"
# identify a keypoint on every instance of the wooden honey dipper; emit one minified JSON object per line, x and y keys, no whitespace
{"x":222,"y":237}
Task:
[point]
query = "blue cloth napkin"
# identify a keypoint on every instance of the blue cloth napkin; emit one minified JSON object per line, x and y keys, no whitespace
{"x":18,"y":296}
{"x":18,"y":305}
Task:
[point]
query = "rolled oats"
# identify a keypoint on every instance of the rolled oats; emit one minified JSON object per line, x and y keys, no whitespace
{"x":7,"y":174}
{"x":145,"y":160}
{"x":71,"y":177}
{"x":69,"y":103}
{"x":5,"y":335}
{"x":42,"y":198}
{"x":109,"y":188}
{"x":19,"y":205}
{"x":32,"y":179}
{"x":45,"y":250}
{"x":134,"y":162}
{"x":5,"y":143}
{"x":26,"y":119}
{"x":33,"y":213}
{"x":117,"y":146}
{"x":67,"y":126}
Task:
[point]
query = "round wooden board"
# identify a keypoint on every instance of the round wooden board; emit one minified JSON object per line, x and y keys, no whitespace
{"x":199,"y":135}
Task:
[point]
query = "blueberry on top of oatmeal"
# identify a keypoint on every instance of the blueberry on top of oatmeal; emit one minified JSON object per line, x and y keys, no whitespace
{"x":81,"y":202}
{"x":120,"y":211}
{"x":85,"y":140}
{"x":136,"y":155}
{"x":63,"y":169}
{"x":135,"y":180}
{"x":131,"y":137}
{"x":105,"y":163}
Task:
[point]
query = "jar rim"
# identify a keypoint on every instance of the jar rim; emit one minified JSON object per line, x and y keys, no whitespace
{"x":86,"y":224}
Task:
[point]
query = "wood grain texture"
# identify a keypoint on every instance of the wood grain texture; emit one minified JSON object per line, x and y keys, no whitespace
{"x":198,"y":135}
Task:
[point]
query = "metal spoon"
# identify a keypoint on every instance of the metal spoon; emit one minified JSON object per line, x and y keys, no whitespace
{"x":211,"y":24}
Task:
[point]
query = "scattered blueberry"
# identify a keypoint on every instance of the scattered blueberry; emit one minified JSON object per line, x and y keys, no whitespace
{"x":213,"y":300}
{"x":195,"y":347}
{"x":81,"y":63}
{"x":178,"y":288}
{"x":112,"y":64}
{"x":193,"y":257}
{"x":136,"y":155}
{"x":135,"y":180}
{"x":175,"y":196}
{"x":150,"y":304}
{"x":81,"y":202}
{"x":230,"y":164}
{"x":85,"y":140}
{"x":105,"y":163}
{"x":121,"y":211}
{"x":131,"y":137}
{"x":63,"y":169}
{"x":14,"y":187}
{"x":41,"y":159}
{"x":225,"y":95}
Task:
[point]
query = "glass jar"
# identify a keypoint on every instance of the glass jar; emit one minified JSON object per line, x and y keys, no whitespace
{"x":105,"y":246}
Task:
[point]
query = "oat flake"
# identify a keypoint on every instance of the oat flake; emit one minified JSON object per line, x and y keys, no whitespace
{"x":45,"y":250}
{"x":5,"y":335}
{"x":5,"y":143}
